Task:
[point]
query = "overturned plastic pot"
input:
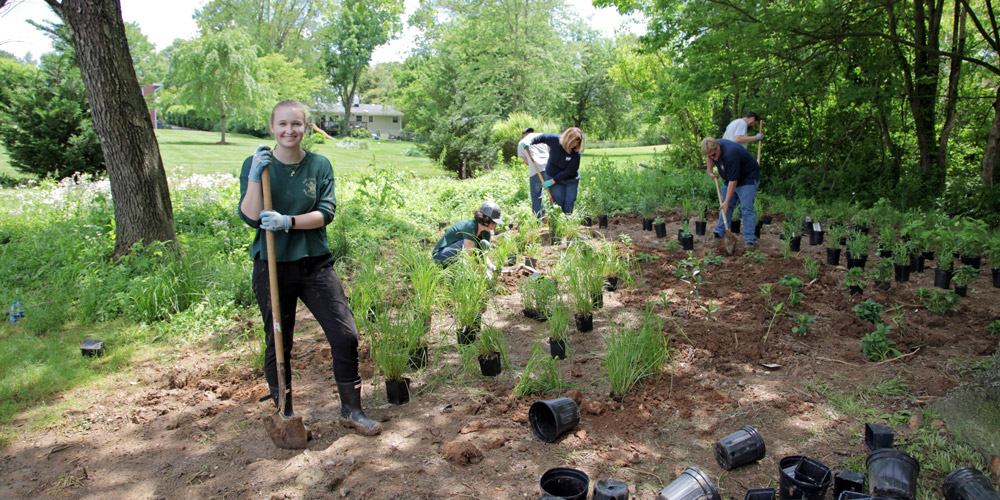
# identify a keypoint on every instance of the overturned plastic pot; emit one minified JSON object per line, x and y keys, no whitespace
{"x":803,"y":478}
{"x":550,"y":418}
{"x":892,"y":473}
{"x":967,"y":483}
{"x":692,"y":484}
{"x":610,"y":489}
{"x":739,"y":448}
{"x":878,"y":436}
{"x":564,"y":482}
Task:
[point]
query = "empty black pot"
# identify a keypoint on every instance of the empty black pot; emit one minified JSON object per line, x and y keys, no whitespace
{"x":961,"y":291}
{"x":647,"y":224}
{"x":687,"y":243}
{"x":802,"y":478}
{"x":816,"y":238}
{"x":916,"y":264}
{"x":967,"y":483}
{"x":759,"y":494}
{"x":892,"y":473}
{"x":557,"y":348}
{"x":563,"y":482}
{"x":610,"y":489}
{"x":796,"y":243}
{"x":551,"y":418}
{"x":602,"y":221}
{"x":848,"y":480}
{"x":902,"y":272}
{"x":878,"y":436}
{"x":942,"y":279}
{"x":397,"y":392}
{"x":692,"y":484}
{"x":661,"y":230}
{"x":699,"y":227}
{"x":739,"y":448}
{"x":832,"y":256}
{"x":584,"y":323}
{"x":490,"y":365}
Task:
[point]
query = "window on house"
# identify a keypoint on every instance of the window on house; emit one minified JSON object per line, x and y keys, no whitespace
{"x":371,"y":119}
{"x":358,"y":118}
{"x":395,"y":119}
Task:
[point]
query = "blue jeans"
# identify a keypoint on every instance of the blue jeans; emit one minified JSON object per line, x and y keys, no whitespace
{"x":745,"y":195}
{"x":447,"y":254}
{"x":535,"y":186}
{"x":564,"y":194}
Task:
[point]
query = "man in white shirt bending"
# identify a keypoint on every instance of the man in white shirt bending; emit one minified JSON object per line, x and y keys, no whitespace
{"x":736,"y":131}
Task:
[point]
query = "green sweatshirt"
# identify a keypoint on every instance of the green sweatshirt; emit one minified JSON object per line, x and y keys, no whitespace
{"x":295,"y":190}
{"x":463,"y":230}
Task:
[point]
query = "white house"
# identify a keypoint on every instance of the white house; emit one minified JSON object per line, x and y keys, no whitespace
{"x":382,"y":120}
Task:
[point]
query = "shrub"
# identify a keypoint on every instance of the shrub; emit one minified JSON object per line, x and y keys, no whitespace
{"x":352,"y":143}
{"x":877,"y":345}
{"x":506,"y":133}
{"x":869,"y":311}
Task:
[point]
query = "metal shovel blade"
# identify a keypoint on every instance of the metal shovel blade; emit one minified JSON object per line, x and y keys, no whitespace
{"x":285,"y":432}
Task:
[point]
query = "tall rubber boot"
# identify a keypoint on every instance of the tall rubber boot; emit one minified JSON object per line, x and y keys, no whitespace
{"x":351,"y":414}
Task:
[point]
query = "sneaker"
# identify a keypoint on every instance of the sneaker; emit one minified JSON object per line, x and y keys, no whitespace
{"x":751,"y":247}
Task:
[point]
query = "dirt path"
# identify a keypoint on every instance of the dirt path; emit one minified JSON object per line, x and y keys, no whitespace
{"x":190,"y":429}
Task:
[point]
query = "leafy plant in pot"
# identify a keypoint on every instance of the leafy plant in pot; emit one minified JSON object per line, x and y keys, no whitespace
{"x":854,"y":280}
{"x":836,"y":232}
{"x":685,"y":236}
{"x":632,"y":355}
{"x":660,"y":226}
{"x":702,"y":223}
{"x":972,"y":238}
{"x":993,"y":251}
{"x":469,"y":290}
{"x":858,"y":244}
{"x":882,"y":274}
{"x":558,"y":329}
{"x":963,"y":277}
{"x":488,"y":352}
{"x":945,"y":247}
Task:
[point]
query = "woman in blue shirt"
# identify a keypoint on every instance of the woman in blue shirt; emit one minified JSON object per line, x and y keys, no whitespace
{"x":562,"y":177}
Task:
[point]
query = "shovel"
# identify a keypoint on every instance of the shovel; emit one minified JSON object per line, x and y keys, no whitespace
{"x":540,"y":178}
{"x":285,"y":432}
{"x":728,"y":245}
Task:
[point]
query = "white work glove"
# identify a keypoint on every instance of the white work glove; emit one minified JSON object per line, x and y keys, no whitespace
{"x":759,"y":137}
{"x":261,"y":158}
{"x":273,"y":221}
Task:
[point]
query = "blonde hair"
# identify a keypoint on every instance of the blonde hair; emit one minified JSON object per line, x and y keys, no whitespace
{"x":571,"y":134}
{"x":709,"y":144}
{"x":289,"y":103}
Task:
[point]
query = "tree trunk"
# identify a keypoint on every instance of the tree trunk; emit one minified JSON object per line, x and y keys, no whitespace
{"x":143,"y":212}
{"x":972,"y":410}
{"x":955,"y":72}
{"x":991,"y":154}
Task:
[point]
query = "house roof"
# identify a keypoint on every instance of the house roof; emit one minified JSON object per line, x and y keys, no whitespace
{"x":360,"y":109}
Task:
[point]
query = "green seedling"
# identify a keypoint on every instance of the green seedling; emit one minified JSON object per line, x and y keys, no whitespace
{"x":756,"y":256}
{"x":793,"y":283}
{"x":877,"y":345}
{"x":541,"y":375}
{"x":811,"y":268}
{"x":994,"y":327}
{"x":938,"y":301}
{"x":646,"y":257}
{"x":869,"y":311}
{"x":709,"y":309}
{"x":803,"y":322}
{"x":786,"y":249}
{"x":775,"y":312}
{"x":631,"y":355}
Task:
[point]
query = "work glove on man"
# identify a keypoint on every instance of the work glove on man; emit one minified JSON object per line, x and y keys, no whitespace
{"x":273,"y":221}
{"x":759,"y":137}
{"x":547,"y":184}
{"x":261,"y":158}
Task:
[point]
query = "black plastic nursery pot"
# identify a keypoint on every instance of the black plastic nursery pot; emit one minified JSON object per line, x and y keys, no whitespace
{"x":967,"y":483}
{"x":902,"y":272}
{"x":892,"y":473}
{"x":418,"y":358}
{"x":853,"y":262}
{"x":397,"y":392}
{"x":551,"y":418}
{"x":927,"y":255}
{"x":692,"y":484}
{"x":832,"y":256}
{"x":848,"y":480}
{"x":467,"y":334}
{"x":699,"y":227}
{"x":855,"y":290}
{"x":611,"y":283}
{"x":557,"y":348}
{"x":734,"y":226}
{"x":803,"y":478}
{"x":647,"y":224}
{"x":942,"y":279}
{"x":883,"y":285}
{"x":759,"y":494}
{"x":489,"y":365}
{"x":975,"y":261}
{"x":996,"y":277}
{"x":917,"y":264}
{"x":563,"y":482}
{"x":739,"y":448}
{"x":584,"y":323}
{"x":511,"y":260}
{"x":816,"y":238}
{"x":602,"y":221}
{"x":885,"y":254}
{"x":807,"y":226}
{"x":766,"y":219}
{"x":687,"y":243}
{"x":587,"y":221}
{"x":530,"y":262}
{"x":598,"y":300}
{"x":661,"y":230}
{"x":796,"y":243}
{"x":961,"y":291}
{"x":533,"y":314}
{"x":610,"y":489}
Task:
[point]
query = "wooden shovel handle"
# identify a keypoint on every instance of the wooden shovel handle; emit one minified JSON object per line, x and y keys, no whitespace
{"x":723,"y":212}
{"x":759,"y":143}
{"x":540,"y":178}
{"x":272,"y":278}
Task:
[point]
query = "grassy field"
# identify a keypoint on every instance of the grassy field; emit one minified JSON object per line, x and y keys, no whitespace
{"x":188,"y":152}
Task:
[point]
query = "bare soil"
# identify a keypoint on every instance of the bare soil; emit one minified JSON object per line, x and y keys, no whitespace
{"x":189,"y":427}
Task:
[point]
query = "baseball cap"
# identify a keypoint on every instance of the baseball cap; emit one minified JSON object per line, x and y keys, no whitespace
{"x":491,"y":210}
{"x":527,"y":131}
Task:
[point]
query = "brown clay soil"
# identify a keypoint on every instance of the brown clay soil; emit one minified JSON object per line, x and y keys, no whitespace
{"x":189,"y":427}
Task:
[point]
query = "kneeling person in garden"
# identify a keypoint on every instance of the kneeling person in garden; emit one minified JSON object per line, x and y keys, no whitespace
{"x":468,"y":234}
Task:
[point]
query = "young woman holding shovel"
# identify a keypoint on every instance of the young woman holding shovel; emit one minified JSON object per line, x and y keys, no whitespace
{"x":562,"y":171}
{"x":304,"y":203}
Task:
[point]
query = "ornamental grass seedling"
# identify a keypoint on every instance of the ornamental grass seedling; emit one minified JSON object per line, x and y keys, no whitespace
{"x":398,"y":333}
{"x":811,"y":268}
{"x":470,"y":290}
{"x":491,"y":340}
{"x":558,"y":320}
{"x":540,"y":375}
{"x":632,"y":355}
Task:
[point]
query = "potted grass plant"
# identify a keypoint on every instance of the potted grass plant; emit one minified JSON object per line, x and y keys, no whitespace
{"x":647,"y":209}
{"x":791,"y":242}
{"x":469,"y":288}
{"x":489,"y":352}
{"x":837,"y":232}
{"x":581,"y":281}
{"x":614,"y":268}
{"x":397,"y":334}
{"x":857,"y":249}
{"x":558,"y":327}
{"x":901,"y":260}
{"x":632,"y":355}
{"x":537,"y":295}
{"x":531,"y":254}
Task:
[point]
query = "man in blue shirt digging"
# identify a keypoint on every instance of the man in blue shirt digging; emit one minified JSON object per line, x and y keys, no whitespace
{"x":741,"y":173}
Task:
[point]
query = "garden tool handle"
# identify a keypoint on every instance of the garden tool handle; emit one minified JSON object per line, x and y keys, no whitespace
{"x":760,"y":143}
{"x":723,"y":212}
{"x":539,"y":172}
{"x":272,"y":279}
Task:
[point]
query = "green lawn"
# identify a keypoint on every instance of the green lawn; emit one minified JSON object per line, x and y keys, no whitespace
{"x":188,"y":152}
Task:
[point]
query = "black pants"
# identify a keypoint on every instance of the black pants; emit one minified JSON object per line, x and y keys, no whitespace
{"x":313,"y":280}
